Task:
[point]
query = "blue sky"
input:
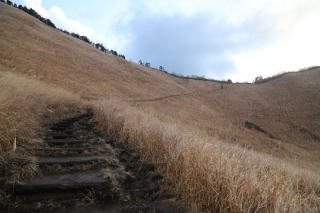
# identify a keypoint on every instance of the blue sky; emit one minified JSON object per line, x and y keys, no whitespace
{"x":236,"y":39}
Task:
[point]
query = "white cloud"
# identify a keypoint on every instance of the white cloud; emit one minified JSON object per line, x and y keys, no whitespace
{"x":296,"y":45}
{"x":36,"y":5}
{"x":60,"y":19}
{"x":57,"y":16}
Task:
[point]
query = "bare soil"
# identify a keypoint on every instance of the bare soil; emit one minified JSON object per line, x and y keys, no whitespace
{"x":81,"y":171}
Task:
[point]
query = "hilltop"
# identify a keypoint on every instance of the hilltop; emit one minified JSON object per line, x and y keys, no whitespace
{"x":277,"y":119}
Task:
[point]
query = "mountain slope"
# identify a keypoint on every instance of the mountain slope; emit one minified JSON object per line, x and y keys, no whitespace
{"x":243,"y":148}
{"x":288,"y":107}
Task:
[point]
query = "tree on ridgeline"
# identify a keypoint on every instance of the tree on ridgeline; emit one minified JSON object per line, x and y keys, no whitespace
{"x":49,"y":23}
{"x":103,"y":49}
{"x":76,"y":35}
{"x":258,"y":78}
{"x":85,"y":39}
{"x":161,"y":68}
{"x":66,"y":32}
{"x":147,"y":64}
{"x":113,"y":52}
{"x":9,"y":2}
{"x":140,"y":62}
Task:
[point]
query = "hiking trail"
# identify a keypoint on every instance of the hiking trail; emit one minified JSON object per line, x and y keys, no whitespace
{"x":81,"y":171}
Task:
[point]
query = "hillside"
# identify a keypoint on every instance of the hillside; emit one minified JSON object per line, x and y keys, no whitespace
{"x":282,"y":107}
{"x":280,"y":118}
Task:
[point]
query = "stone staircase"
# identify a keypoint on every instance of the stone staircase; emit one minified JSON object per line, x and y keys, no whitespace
{"x":81,"y":170}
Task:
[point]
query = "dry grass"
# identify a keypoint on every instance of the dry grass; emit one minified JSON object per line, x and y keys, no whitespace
{"x":192,"y":130}
{"x":26,"y":105}
{"x":208,"y":174}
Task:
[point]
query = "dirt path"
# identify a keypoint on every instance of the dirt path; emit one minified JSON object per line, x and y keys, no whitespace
{"x":83,"y":172}
{"x":161,"y":98}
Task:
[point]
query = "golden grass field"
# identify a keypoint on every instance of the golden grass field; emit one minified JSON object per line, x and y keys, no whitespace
{"x":192,"y":130}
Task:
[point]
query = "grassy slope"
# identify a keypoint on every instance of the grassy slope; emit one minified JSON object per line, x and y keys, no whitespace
{"x":282,"y":106}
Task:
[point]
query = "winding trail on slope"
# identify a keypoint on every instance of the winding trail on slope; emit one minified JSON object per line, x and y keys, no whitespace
{"x":160,"y":98}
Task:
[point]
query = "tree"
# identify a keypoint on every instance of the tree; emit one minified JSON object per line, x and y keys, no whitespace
{"x":9,"y":2}
{"x":147,"y":64}
{"x":85,"y":39}
{"x":76,"y":35}
{"x":113,"y":52}
{"x":102,"y":48}
{"x":66,"y":32}
{"x":49,"y":23}
{"x":140,"y":62}
{"x":258,"y":78}
{"x":161,"y":68}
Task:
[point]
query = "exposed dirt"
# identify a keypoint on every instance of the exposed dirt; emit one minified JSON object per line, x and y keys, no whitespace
{"x":80,"y":171}
{"x":251,"y":125}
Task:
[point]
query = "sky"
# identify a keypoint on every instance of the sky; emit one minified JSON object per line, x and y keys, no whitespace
{"x":229,"y":39}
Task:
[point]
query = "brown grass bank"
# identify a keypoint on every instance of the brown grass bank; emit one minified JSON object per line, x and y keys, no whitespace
{"x":208,"y":174}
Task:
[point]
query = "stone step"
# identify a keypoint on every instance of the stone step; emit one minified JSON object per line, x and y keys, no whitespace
{"x":33,"y":199}
{"x":79,"y":153}
{"x":59,"y":149}
{"x":63,"y":124}
{"x":48,"y":161}
{"x":71,"y":121}
{"x":62,"y":136}
{"x":60,"y":182}
{"x":59,"y":128}
{"x":67,"y":131}
{"x":65,"y":142}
